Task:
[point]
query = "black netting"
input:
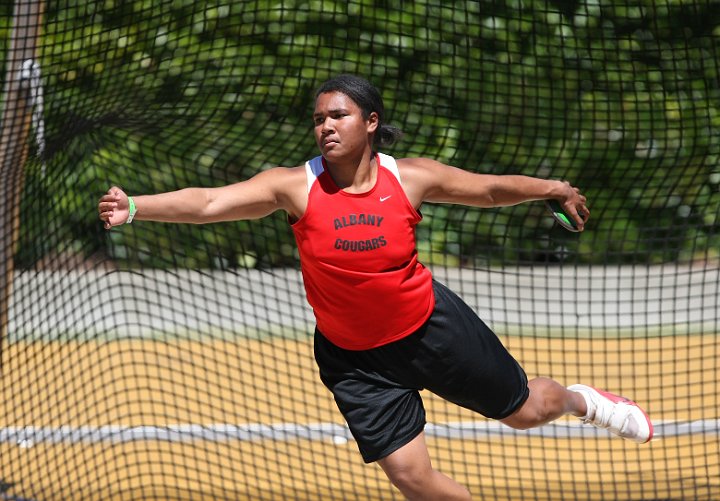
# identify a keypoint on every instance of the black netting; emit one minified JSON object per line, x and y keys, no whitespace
{"x":159,"y":361}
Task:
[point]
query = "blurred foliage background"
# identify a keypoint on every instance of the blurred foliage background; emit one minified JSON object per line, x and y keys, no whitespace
{"x":619,"y":97}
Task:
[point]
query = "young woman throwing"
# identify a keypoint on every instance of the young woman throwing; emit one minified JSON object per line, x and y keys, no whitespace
{"x":385,"y":328}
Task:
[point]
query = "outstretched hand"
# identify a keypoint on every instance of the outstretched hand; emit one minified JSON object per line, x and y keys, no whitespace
{"x":113,"y":207}
{"x":575,"y":205}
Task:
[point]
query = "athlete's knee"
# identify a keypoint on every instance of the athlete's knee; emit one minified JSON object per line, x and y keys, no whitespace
{"x":411,"y":475}
{"x":408,"y":477}
{"x":545,"y":403}
{"x":426,"y":484}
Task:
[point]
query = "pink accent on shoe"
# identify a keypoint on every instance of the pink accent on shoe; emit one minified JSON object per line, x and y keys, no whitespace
{"x":615,"y":413}
{"x":620,"y":399}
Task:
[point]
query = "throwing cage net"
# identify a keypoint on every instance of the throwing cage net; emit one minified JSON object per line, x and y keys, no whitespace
{"x":160,"y":361}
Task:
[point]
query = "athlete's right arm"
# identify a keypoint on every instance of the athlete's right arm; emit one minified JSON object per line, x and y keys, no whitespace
{"x":259,"y":196}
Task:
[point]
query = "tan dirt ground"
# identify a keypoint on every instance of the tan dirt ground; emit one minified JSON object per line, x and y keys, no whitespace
{"x":142,"y":382}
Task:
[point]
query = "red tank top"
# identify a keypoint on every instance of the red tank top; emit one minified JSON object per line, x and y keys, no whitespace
{"x":359,"y":261}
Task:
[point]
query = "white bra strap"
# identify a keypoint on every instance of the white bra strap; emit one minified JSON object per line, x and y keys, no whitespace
{"x":313,"y":168}
{"x":390,"y":164}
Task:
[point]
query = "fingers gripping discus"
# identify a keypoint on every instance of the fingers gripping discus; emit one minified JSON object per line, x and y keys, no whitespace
{"x":562,"y":217}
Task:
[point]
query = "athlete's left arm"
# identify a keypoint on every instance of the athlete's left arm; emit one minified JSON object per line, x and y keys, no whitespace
{"x":426,"y":180}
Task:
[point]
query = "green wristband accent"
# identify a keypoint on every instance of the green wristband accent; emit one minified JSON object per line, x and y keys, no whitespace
{"x":131,"y":210}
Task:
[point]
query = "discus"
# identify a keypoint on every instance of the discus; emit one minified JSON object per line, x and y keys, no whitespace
{"x":562,"y":217}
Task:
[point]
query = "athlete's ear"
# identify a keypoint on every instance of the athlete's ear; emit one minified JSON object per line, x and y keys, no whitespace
{"x":373,"y":121}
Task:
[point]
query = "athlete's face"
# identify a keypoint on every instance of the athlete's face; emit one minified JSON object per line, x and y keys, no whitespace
{"x":340,"y":129}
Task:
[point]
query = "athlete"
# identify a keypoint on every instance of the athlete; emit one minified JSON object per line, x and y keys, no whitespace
{"x":385,"y":328}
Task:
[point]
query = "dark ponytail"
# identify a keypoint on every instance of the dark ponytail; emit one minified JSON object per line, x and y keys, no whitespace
{"x":367,"y":97}
{"x":387,"y":135}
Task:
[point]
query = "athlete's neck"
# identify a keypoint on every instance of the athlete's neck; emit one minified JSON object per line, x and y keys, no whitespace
{"x":356,"y":175}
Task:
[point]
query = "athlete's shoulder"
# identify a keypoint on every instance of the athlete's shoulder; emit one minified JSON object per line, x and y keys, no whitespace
{"x":287,"y":184}
{"x":421,"y":176}
{"x":419,"y":164}
{"x":420,"y":169}
{"x":282,"y":176}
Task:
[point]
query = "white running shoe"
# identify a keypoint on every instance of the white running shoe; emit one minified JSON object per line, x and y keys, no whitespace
{"x":614,"y":413}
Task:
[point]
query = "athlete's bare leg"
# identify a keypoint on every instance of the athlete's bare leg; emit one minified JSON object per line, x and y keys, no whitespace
{"x":410,"y":470}
{"x":548,"y":401}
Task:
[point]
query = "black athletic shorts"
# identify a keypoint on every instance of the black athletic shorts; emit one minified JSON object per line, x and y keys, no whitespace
{"x":454,"y":355}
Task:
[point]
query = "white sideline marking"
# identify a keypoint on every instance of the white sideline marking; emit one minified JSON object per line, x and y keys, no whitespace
{"x":27,"y":436}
